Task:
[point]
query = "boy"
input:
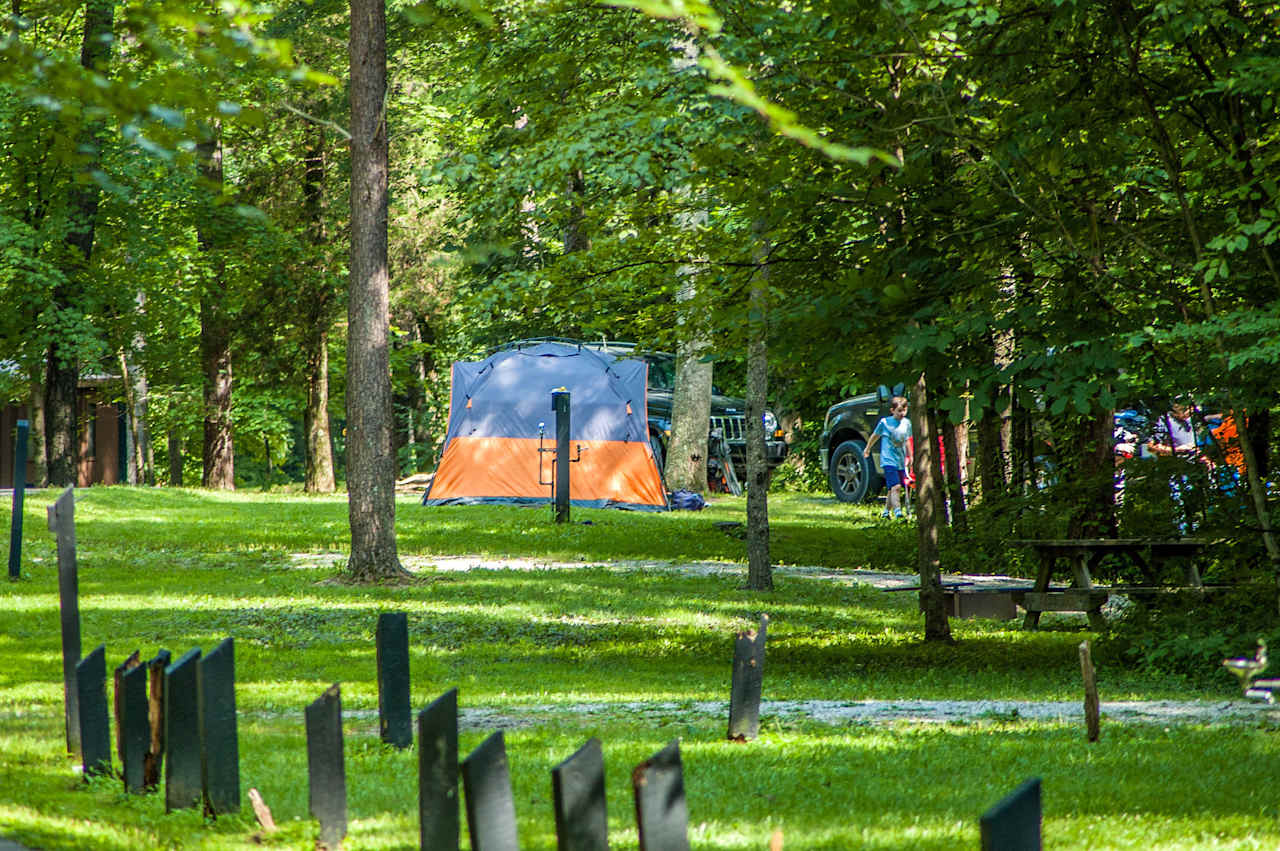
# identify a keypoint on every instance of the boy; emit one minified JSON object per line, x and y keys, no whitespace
{"x":895,"y":429}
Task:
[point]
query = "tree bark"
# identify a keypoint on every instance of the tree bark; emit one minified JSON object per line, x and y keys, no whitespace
{"x":215,"y":331}
{"x":319,"y":477}
{"x":686,"y":461}
{"x":38,"y":458}
{"x":370,"y":458}
{"x":759,"y":570}
{"x":175,"y":458}
{"x":1094,"y":513}
{"x":954,"y":450}
{"x":937,"y":627}
{"x":62,"y":374}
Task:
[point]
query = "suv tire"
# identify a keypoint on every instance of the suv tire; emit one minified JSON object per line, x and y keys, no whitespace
{"x":850,"y":473}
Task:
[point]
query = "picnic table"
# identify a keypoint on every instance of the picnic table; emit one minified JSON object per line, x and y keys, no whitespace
{"x":1083,"y":556}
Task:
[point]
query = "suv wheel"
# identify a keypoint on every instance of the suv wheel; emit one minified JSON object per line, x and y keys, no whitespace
{"x":850,"y":473}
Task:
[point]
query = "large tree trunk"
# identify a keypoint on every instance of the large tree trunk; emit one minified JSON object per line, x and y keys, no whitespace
{"x":1093,"y":514}
{"x":37,"y":455}
{"x":686,"y":461}
{"x":62,"y":373}
{"x":937,"y":627}
{"x":575,"y":233}
{"x":319,"y":476}
{"x":175,"y":458}
{"x":759,"y":569}
{"x":215,"y":332}
{"x":141,"y":455}
{"x":371,"y":470}
{"x":315,"y":417}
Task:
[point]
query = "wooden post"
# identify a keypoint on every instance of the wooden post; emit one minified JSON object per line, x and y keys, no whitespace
{"x":491,"y":808}
{"x":392,"y":639}
{"x":326,"y":769}
{"x":19,"y":490}
{"x":438,"y":823}
{"x":154,"y":759}
{"x":747,"y":683}
{"x":62,"y":522}
{"x":1090,"y":692}
{"x":577,"y":790}
{"x":662,"y":816}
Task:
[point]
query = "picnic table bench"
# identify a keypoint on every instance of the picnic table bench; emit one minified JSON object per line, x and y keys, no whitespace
{"x":1083,"y":556}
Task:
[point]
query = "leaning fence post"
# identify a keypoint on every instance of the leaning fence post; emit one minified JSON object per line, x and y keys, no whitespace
{"x":491,"y":809}
{"x":577,"y":789}
{"x":326,"y":769}
{"x":747,"y":684}
{"x":661,"y":813}
{"x":1013,"y":824}
{"x":438,"y":825}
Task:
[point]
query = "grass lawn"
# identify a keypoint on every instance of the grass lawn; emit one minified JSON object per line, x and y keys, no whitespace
{"x":621,"y":653}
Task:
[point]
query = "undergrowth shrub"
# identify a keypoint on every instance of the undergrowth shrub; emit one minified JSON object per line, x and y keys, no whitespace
{"x":1188,"y":636}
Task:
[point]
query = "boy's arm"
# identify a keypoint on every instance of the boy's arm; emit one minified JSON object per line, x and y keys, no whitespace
{"x":875,"y":435}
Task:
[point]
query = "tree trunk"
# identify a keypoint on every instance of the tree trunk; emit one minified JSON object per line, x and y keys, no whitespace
{"x":175,"y":458}
{"x":1094,"y":512}
{"x":575,"y":234}
{"x":686,"y":461}
{"x":955,"y":450}
{"x":215,"y":331}
{"x":937,"y":627}
{"x":319,"y":477}
{"x":62,"y":374}
{"x":315,"y":417}
{"x":371,"y":471}
{"x":759,"y":570}
{"x":38,"y":458}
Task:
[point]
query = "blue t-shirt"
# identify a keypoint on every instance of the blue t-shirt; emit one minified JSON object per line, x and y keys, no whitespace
{"x":893,"y":441}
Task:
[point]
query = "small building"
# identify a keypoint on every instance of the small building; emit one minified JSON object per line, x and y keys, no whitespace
{"x":100,"y":426}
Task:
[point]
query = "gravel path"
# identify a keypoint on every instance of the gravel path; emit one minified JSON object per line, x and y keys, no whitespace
{"x":832,"y":712}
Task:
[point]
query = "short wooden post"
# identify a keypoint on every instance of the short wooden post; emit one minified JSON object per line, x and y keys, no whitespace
{"x":438,"y":824}
{"x":117,"y":704}
{"x":133,"y":728}
{"x":326,"y":769}
{"x":182,"y":770}
{"x":491,"y":808}
{"x":1091,"y":719}
{"x":219,"y":741}
{"x":392,"y":640}
{"x":747,"y":684}
{"x":662,"y":815}
{"x":62,"y":522}
{"x":1013,"y":824}
{"x":577,"y":790}
{"x":91,"y":699}
{"x":154,"y":759}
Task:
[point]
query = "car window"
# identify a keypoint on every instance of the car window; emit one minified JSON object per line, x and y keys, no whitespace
{"x":662,"y":373}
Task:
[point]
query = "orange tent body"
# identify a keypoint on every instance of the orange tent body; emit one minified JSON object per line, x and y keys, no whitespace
{"x":501,"y":438}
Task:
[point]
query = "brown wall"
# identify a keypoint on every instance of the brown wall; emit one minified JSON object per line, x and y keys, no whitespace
{"x":96,"y":422}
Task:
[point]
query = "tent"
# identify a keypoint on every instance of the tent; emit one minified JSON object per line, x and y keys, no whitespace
{"x":500,"y":415}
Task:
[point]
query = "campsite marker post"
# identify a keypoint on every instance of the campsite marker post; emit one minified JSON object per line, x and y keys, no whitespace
{"x":560,"y":404}
{"x":19,"y":488}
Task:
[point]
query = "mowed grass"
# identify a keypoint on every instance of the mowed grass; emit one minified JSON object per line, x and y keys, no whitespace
{"x":561,"y":655}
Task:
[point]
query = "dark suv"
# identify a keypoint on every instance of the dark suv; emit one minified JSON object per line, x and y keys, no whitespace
{"x":848,"y":427}
{"x":728,"y":414}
